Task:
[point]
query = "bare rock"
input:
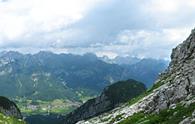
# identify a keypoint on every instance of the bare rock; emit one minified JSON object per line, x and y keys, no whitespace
{"x":186,"y":121}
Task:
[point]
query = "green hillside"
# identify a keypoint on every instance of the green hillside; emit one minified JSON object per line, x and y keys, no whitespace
{"x":10,"y":120}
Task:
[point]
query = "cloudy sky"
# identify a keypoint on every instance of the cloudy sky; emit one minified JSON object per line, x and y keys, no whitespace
{"x":142,"y":28}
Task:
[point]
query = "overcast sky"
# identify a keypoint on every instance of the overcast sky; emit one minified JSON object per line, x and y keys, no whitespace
{"x":142,"y":28}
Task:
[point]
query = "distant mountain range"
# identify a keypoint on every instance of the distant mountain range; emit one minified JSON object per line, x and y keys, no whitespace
{"x":145,"y":70}
{"x":121,"y":60}
{"x":49,"y":76}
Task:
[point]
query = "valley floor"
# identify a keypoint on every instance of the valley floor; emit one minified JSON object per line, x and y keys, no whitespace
{"x":45,"y":112}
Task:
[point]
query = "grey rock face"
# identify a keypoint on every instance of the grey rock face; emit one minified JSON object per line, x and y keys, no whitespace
{"x":179,"y":79}
{"x":89,"y":109}
{"x":9,"y":108}
{"x":186,"y":121}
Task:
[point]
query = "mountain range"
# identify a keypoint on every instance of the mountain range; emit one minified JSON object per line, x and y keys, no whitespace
{"x":171,"y":99}
{"x":49,"y":76}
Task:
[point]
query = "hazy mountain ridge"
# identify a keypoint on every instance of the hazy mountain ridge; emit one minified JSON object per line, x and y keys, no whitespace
{"x":144,"y":68}
{"x":171,"y":100}
{"x":47,"y":70}
{"x":66,"y":76}
{"x":121,"y":60}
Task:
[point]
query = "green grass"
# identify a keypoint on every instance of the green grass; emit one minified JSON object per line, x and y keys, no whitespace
{"x":168,"y":116}
{"x":10,"y":120}
{"x":57,"y":106}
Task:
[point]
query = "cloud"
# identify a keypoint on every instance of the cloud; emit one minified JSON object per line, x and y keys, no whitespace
{"x":113,"y":27}
{"x":20,"y":19}
{"x":172,"y":13}
{"x":155,"y":44}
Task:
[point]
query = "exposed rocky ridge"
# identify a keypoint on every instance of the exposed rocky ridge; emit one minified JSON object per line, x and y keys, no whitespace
{"x":177,"y":86}
{"x":111,"y":97}
{"x":9,"y":108}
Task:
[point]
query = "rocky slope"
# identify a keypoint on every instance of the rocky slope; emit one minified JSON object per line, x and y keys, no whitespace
{"x":175,"y":87}
{"x":9,"y":112}
{"x":111,"y":97}
{"x":9,"y":108}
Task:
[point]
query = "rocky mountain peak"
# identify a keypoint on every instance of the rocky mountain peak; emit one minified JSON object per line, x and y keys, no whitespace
{"x":178,"y":82}
{"x":185,"y":51}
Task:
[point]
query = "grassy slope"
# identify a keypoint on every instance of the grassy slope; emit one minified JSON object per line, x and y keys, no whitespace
{"x":168,"y":116}
{"x":10,"y":120}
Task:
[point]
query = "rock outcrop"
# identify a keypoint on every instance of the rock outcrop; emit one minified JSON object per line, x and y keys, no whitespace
{"x":110,"y":98}
{"x":9,"y":108}
{"x":175,"y":85}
